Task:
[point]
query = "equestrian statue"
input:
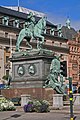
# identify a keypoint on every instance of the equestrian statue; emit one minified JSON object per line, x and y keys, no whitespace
{"x":32,"y":30}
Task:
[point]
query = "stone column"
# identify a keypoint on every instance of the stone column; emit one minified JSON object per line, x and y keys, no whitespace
{"x":1,"y":96}
{"x":57,"y":100}
{"x":25,"y":98}
{"x":76,"y":99}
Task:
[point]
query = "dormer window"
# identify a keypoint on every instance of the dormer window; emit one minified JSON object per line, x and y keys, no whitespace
{"x":5,"y":20}
{"x":16,"y":23}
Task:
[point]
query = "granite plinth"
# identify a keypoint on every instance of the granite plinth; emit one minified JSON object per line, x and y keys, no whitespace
{"x":25,"y":98}
{"x":76,"y":99}
{"x":57,"y":100}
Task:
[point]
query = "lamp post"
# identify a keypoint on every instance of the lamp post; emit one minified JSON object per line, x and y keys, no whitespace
{"x":71,"y":97}
{"x":11,"y":47}
{"x":18,"y":5}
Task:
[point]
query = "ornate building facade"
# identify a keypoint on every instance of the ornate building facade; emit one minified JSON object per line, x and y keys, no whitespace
{"x":11,"y":22}
{"x":74,"y":60}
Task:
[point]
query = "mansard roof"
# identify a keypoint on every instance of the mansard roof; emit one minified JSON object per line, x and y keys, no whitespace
{"x":17,"y":14}
{"x":69,"y":33}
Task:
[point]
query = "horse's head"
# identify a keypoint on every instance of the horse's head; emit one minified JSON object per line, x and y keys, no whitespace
{"x":41,"y":23}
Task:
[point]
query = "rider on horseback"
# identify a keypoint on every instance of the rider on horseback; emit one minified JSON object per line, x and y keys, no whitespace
{"x":30,"y":23}
{"x":32,"y":30}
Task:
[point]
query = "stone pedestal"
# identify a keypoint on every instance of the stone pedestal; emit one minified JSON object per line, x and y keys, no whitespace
{"x":76,"y":99}
{"x":30,"y":69}
{"x":57,"y":100}
{"x":25,"y":98}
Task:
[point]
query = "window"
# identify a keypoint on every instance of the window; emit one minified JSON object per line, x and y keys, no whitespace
{"x":7,"y":49}
{"x":60,"y":44}
{"x":5,"y":20}
{"x":7,"y":59}
{"x":7,"y":72}
{"x":72,"y":48}
{"x":74,"y":66}
{"x":6,"y":34}
{"x":74,"y":76}
{"x":79,"y":70}
{"x":16,"y":23}
{"x":16,"y":36}
{"x":79,"y":40}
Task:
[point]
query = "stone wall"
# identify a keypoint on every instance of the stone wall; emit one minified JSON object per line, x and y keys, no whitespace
{"x":36,"y":93}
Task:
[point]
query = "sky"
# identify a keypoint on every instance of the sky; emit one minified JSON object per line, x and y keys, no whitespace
{"x":57,"y":11}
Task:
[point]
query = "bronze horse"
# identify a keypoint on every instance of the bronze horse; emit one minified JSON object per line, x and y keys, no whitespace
{"x":28,"y":34}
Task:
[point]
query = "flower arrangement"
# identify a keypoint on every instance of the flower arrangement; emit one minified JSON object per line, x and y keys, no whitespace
{"x":6,"y":105}
{"x":29,"y":107}
{"x":37,"y":106}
